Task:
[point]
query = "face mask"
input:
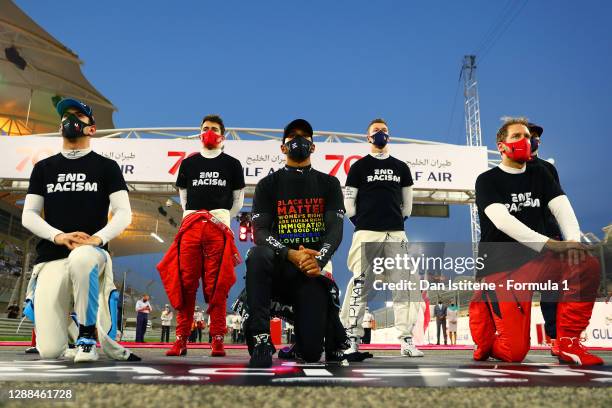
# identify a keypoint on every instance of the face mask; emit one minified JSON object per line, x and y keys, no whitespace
{"x":535,"y":143}
{"x":210,"y":139}
{"x":72,"y":127}
{"x":380,"y":139}
{"x":299,"y":148}
{"x":518,"y":151}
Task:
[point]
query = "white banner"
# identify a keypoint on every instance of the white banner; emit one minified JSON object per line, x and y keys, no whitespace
{"x":442,"y":167}
{"x":597,"y":334}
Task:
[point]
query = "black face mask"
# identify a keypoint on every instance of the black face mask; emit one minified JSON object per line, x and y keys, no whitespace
{"x":380,"y":139}
{"x":299,"y":148}
{"x":72,"y":127}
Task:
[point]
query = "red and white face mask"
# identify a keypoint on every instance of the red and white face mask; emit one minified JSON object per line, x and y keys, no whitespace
{"x":519,"y":151}
{"x":211,"y":140}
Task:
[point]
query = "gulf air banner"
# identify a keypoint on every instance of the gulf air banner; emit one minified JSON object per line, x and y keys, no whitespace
{"x":597,"y":334}
{"x":443,"y":167}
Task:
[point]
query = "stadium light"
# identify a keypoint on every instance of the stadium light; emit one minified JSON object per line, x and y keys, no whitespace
{"x":245,"y":228}
{"x":154,"y":234}
{"x":13,"y":56}
{"x":157,"y":237}
{"x":242,"y":236}
{"x":55,"y":100}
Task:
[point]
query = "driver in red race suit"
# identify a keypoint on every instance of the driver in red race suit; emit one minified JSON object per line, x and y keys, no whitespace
{"x":512,"y":201}
{"x":211,"y":188}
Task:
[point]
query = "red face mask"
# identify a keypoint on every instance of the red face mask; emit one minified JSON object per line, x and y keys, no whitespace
{"x":211,"y":139}
{"x":518,"y":151}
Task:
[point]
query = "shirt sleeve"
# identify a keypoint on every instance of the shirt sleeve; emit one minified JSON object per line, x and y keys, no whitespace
{"x":335,"y":199}
{"x":486,"y":192}
{"x":334,"y":223}
{"x":238,"y":176}
{"x":552,"y":169}
{"x":555,"y":174}
{"x":32,"y":220}
{"x":511,"y":226}
{"x":407,"y":201}
{"x":406,"y":176}
{"x":262,"y":218}
{"x":181,"y":178}
{"x":37,"y":183}
{"x":353,"y":178}
{"x":262,"y":201}
{"x":552,"y":189}
{"x":122,"y":217}
{"x":350,"y":201}
{"x":562,"y":210}
{"x":183,"y":198}
{"x":237,"y":202}
{"x":114,"y":179}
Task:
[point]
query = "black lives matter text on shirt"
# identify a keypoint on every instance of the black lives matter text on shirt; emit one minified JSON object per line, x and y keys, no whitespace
{"x":379,"y":198}
{"x":76,"y":196}
{"x":526,"y":196}
{"x":297,"y":202}
{"x":210,"y":182}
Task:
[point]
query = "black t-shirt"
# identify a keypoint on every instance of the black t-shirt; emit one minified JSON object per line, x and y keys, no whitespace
{"x":210,"y":182}
{"x":526,"y":196}
{"x":549,"y":166}
{"x":552,"y":227}
{"x":379,"y":197}
{"x":76,"y":193}
{"x":297,"y":201}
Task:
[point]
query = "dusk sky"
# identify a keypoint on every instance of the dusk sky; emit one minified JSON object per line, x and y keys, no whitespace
{"x":340,"y":64}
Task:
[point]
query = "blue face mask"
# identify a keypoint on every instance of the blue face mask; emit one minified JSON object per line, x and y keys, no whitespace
{"x":380,"y":139}
{"x":535,"y":143}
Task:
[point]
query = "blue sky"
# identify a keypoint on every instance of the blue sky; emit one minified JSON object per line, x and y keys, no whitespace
{"x":339,"y":64}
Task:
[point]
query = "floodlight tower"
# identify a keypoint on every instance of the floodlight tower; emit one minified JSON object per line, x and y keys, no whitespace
{"x":472,"y":128}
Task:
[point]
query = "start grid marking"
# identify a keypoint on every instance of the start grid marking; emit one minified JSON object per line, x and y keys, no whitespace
{"x":381,"y":371}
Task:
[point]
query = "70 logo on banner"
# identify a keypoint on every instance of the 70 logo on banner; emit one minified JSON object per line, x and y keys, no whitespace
{"x":339,"y":158}
{"x":181,"y":156}
{"x":31,"y":155}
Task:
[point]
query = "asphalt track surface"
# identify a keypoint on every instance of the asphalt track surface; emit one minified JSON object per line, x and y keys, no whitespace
{"x":446,"y":377}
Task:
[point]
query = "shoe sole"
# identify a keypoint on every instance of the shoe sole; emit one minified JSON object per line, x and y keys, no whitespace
{"x":259,"y":366}
{"x":184,"y":353}
{"x":574,"y":363}
{"x":410,"y":355}
{"x":77,"y":360}
{"x":267,"y":364}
